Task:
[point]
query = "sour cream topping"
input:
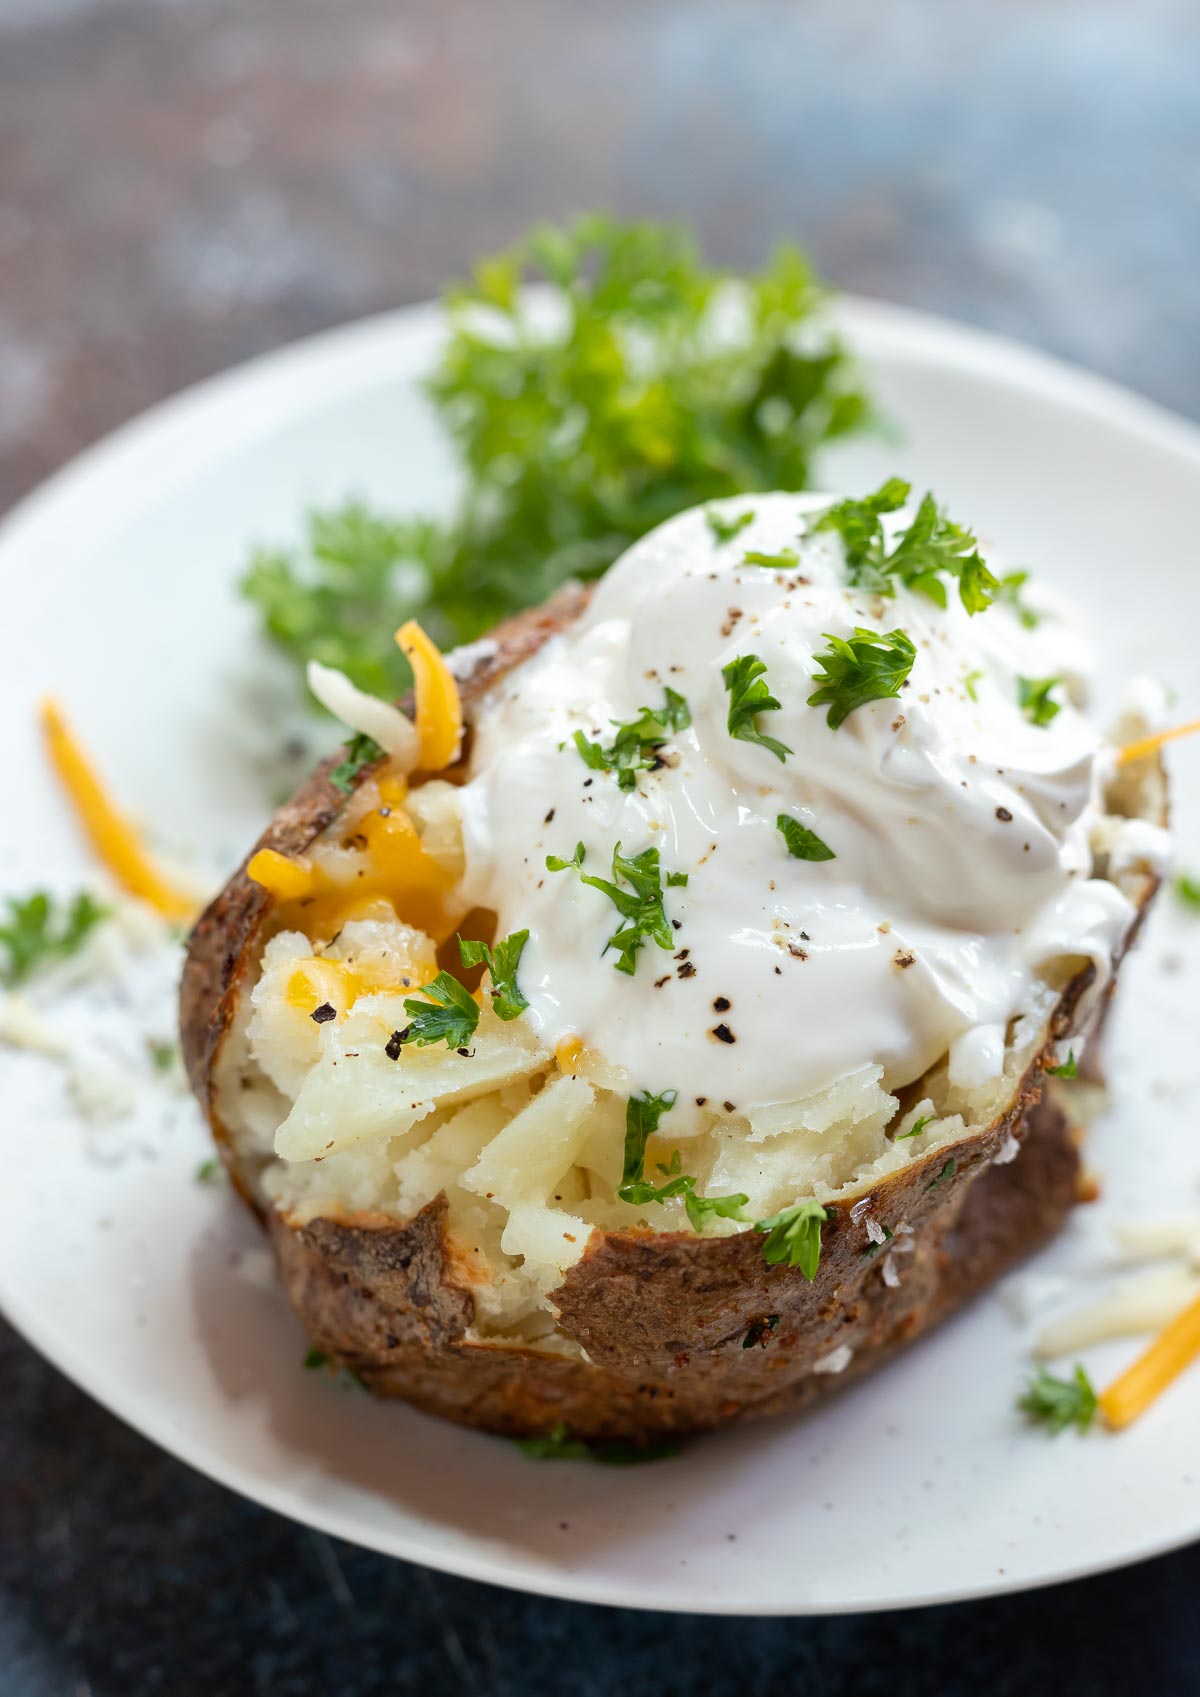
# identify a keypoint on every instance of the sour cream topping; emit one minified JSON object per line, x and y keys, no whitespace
{"x":960,"y":830}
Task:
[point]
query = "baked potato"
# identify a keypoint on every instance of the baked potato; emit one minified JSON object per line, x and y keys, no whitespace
{"x":412,"y":1223}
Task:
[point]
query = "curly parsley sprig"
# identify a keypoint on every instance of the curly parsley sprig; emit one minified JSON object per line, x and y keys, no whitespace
{"x":932,"y":547}
{"x":868,"y":666}
{"x":794,"y":1237}
{"x":38,"y":930}
{"x":640,"y":905}
{"x":635,"y":747}
{"x":1059,"y":1403}
{"x":748,"y":697}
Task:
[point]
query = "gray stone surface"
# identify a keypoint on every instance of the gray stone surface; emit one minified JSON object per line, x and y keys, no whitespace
{"x":184,"y":183}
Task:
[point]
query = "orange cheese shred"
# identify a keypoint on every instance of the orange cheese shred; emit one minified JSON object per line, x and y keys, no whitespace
{"x":1174,"y":1349}
{"x":439,"y":708}
{"x":1150,"y":745}
{"x":285,"y":879}
{"x":113,"y":838}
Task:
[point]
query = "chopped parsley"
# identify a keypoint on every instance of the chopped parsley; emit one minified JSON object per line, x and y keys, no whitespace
{"x":873,"y":1249}
{"x":208,"y":1172}
{"x":38,"y":930}
{"x":641,"y":905}
{"x":635,"y":745}
{"x":449,"y":1015}
{"x":969,"y":682}
{"x":748,"y":697}
{"x":1059,"y":1403}
{"x":931,"y":547}
{"x":802,"y":844}
{"x":947,"y":1172}
{"x":781,"y":562}
{"x":559,"y":1445}
{"x":915,"y":1129}
{"x":1187,"y":889}
{"x":1068,"y":1069}
{"x":642,"y":1114}
{"x":162,"y":1053}
{"x":868,"y":666}
{"x":361,"y":751}
{"x":507,"y":997}
{"x":316,"y":1358}
{"x":1009,"y":592}
{"x":577,"y":430}
{"x":794,"y":1237}
{"x":723,"y":529}
{"x":1034,"y":700}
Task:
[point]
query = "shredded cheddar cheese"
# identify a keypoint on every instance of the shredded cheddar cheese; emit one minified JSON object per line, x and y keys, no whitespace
{"x":113,"y":838}
{"x":439,"y":709}
{"x":1174,"y":1349}
{"x":1150,"y":745}
{"x":285,"y":879}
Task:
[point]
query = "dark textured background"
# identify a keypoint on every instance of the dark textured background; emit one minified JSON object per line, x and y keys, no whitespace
{"x":187,"y":182}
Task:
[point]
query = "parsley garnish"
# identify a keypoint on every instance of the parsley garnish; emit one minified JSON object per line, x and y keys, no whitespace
{"x":794,"y":1237}
{"x":932,"y":545}
{"x":802,"y":844}
{"x":723,"y":529}
{"x":915,"y":1129}
{"x":641,"y":905}
{"x":1059,"y":1403}
{"x":1033,"y":698}
{"x":781,"y":562}
{"x":559,"y":1445}
{"x":1068,"y":1069}
{"x":36,"y":932}
{"x":208,"y":1172}
{"x":873,"y":1249}
{"x":162,"y":1053}
{"x":642,"y":1114}
{"x":748,"y":697}
{"x":361,"y":750}
{"x":633,"y":748}
{"x":316,"y":1358}
{"x":947,"y":1172}
{"x":969,"y":682}
{"x":449,"y":1016}
{"x":867,"y":666}
{"x":1009,"y":591}
{"x":507,"y":996}
{"x":577,"y":431}
{"x":1187,"y":889}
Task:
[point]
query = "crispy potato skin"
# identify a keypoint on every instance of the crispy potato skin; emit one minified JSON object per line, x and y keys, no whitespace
{"x":681,"y":1333}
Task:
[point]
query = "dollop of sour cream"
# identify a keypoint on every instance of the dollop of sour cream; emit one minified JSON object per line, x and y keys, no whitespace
{"x":959,"y":829}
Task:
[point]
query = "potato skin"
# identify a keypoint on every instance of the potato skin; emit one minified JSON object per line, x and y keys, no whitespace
{"x":681,"y":1333}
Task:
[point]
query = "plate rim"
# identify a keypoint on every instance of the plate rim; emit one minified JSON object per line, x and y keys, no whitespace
{"x":260,"y":390}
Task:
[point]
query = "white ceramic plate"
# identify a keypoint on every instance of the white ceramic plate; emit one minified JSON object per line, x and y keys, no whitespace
{"x":919,"y":1485}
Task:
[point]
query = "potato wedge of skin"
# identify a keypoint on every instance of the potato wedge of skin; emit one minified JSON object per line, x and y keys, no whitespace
{"x":663,"y":1317}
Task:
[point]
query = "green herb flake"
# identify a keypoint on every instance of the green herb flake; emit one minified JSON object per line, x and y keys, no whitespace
{"x":794,"y":1237}
{"x":1009,"y":592}
{"x":1033,"y":698}
{"x":873,"y":1249}
{"x":163,"y":1054}
{"x":37,"y":931}
{"x":915,"y":1129}
{"x":640,"y":905}
{"x":642,"y":1114}
{"x":868,"y":666}
{"x":940,"y":1178}
{"x":361,"y":751}
{"x":449,"y":1014}
{"x":635,"y":747}
{"x":748,"y":697}
{"x":1068,"y":1069}
{"x":559,"y":1445}
{"x":802,"y":844}
{"x":316,"y":1358}
{"x":723,"y":529}
{"x":783,"y":561}
{"x":933,"y":546}
{"x":577,"y":431}
{"x":969,"y":682}
{"x":208,"y":1172}
{"x":1059,"y":1403}
{"x":1187,"y":889}
{"x":508,"y":999}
